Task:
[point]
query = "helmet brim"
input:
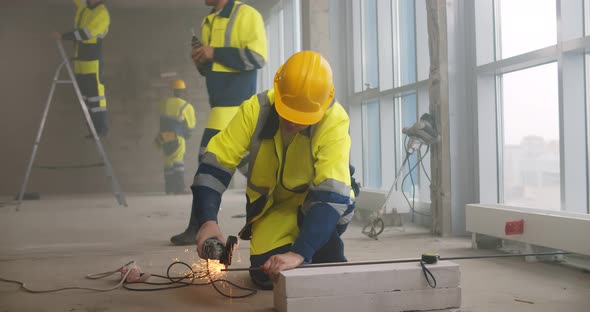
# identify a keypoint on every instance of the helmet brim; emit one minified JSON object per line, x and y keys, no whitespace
{"x":296,"y":116}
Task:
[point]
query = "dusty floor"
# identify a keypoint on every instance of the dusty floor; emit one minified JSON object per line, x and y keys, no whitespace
{"x":55,"y":242}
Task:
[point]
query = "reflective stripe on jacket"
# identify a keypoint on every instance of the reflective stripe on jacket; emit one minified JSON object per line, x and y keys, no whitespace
{"x":177,"y":115}
{"x":238,"y":35}
{"x":91,"y":26}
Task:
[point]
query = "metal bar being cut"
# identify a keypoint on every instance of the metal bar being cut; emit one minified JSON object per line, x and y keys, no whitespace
{"x":321,"y":265}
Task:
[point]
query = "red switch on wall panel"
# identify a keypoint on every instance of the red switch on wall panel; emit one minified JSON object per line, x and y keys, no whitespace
{"x":514,"y":227}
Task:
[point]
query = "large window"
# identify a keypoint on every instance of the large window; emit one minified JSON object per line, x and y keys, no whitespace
{"x":530,"y":128}
{"x":283,"y":26}
{"x":519,"y":35}
{"x":390,"y":63}
{"x":372,"y":146}
{"x":405,"y":59}
{"x":532,"y":103}
{"x":370,"y":68}
{"x":409,"y":115}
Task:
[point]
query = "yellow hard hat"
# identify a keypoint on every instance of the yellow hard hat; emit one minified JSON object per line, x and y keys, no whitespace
{"x":304,"y":88}
{"x":178,"y":84}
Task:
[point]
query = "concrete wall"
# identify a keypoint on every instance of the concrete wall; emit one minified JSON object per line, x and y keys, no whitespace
{"x":142,"y":44}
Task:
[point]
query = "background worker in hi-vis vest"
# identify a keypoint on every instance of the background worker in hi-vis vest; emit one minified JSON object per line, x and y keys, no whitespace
{"x":232,"y":50}
{"x":299,"y":195}
{"x":177,"y":120}
{"x":91,"y":26}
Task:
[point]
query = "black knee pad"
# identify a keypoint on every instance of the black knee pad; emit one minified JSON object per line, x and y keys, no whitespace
{"x":261,"y":280}
{"x":259,"y":277}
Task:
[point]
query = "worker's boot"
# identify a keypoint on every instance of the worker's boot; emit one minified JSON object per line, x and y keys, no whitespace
{"x":188,"y":236}
{"x":185,"y":238}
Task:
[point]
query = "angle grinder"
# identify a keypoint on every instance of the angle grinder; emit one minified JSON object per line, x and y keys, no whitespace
{"x":214,"y":249}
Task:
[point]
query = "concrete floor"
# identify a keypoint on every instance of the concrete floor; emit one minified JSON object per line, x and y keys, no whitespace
{"x":55,"y":242}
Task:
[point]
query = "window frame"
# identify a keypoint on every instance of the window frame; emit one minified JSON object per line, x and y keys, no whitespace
{"x":283,"y":25}
{"x":388,"y":89}
{"x":570,"y":55}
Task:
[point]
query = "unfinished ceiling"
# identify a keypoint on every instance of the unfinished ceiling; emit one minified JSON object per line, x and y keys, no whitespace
{"x":131,"y":4}
{"x":122,"y":4}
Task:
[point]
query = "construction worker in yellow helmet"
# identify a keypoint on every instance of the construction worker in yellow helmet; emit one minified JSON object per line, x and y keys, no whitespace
{"x":232,"y":50}
{"x":91,"y":26}
{"x":177,"y":120}
{"x":299,"y":196}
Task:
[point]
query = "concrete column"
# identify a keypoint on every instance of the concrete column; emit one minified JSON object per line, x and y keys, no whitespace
{"x":323,"y":29}
{"x":462,"y":114}
{"x":454,"y":160}
{"x":315,"y":26}
{"x":439,"y":108}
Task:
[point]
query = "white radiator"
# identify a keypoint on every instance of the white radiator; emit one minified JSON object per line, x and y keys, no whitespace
{"x":554,"y":229}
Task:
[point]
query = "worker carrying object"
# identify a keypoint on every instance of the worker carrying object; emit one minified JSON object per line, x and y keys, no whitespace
{"x":177,"y":120}
{"x":91,"y":26}
{"x":232,"y":49}
{"x":299,"y":197}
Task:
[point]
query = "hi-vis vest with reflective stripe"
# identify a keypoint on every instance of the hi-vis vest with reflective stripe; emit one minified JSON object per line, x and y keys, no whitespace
{"x":91,"y":26}
{"x":174,"y":113}
{"x":242,"y":28}
{"x":316,"y":162}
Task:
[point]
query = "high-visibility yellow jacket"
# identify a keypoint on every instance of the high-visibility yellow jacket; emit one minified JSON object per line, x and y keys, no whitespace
{"x":238,"y":35}
{"x":177,"y":116}
{"x":177,"y":119}
{"x":91,"y":26}
{"x":309,"y":179}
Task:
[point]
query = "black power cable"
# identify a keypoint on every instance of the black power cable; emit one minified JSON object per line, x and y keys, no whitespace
{"x":173,"y":281}
{"x":422,"y":165}
{"x":427,"y":273}
{"x":412,"y":183}
{"x":181,"y":281}
{"x":251,"y":291}
{"x":410,"y":169}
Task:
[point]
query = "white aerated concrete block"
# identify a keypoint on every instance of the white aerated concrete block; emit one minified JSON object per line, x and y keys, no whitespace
{"x":397,"y":301}
{"x":350,"y":280}
{"x":379,"y":287}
